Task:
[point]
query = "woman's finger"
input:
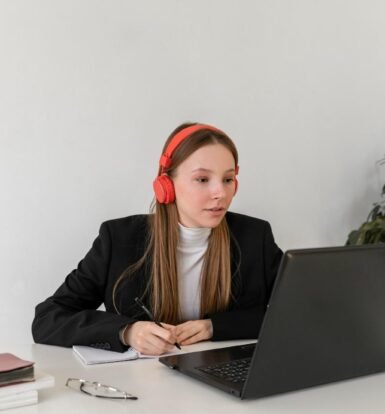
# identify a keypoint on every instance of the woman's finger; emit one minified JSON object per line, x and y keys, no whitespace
{"x":194,"y":338}
{"x":189,"y":331}
{"x":149,"y":338}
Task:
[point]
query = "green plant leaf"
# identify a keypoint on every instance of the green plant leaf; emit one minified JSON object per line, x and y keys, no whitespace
{"x":352,"y":238}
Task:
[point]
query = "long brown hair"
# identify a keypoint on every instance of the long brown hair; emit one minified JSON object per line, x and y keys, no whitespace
{"x":215,"y":283}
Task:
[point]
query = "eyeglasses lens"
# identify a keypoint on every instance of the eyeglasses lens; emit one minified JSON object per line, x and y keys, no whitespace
{"x":98,"y":390}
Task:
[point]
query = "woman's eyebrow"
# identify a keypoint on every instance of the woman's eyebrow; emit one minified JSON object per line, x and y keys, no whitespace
{"x":210,"y":171}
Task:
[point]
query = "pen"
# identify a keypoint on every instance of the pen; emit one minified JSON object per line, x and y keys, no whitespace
{"x":149,"y":314}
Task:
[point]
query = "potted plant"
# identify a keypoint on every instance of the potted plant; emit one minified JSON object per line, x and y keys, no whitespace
{"x":373,"y":230}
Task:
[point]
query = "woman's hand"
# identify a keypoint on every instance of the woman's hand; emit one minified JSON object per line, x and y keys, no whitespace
{"x":151,"y":339}
{"x":190,"y":332}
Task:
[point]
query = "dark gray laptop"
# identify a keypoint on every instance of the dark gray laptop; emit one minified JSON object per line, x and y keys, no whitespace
{"x":325,"y":323}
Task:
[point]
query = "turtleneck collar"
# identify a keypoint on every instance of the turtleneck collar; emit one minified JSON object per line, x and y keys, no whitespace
{"x":193,"y":236}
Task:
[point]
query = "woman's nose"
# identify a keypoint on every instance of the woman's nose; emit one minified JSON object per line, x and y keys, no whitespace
{"x":218,"y":190}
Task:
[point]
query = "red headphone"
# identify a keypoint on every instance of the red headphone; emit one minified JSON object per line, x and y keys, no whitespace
{"x":163,"y":185}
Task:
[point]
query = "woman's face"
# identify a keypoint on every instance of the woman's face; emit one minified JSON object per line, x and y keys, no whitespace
{"x":204,"y":186}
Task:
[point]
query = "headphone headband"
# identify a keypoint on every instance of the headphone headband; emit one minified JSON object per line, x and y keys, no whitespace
{"x":165,"y":159}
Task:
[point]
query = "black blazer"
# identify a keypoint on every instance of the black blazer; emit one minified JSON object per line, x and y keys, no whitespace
{"x":70,"y":316}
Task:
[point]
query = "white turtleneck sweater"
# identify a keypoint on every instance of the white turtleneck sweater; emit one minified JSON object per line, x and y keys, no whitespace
{"x":190,"y":252}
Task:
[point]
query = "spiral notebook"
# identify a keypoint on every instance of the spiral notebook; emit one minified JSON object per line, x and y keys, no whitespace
{"x":91,"y":356}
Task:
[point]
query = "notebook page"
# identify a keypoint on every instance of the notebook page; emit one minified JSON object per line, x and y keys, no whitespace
{"x":91,"y":356}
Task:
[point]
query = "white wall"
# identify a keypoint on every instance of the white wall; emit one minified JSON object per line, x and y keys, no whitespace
{"x":90,"y":89}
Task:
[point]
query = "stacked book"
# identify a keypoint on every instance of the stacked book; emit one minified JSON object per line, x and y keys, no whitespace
{"x":19,"y":382}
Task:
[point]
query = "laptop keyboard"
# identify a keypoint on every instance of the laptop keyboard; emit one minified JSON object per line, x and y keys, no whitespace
{"x":233,"y":371}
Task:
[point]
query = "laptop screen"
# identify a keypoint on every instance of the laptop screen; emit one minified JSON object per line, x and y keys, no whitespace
{"x":325,"y":320}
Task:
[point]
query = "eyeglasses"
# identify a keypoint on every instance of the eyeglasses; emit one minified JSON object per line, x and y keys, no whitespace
{"x":98,"y":390}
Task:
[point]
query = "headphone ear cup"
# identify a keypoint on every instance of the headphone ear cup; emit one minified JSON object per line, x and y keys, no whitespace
{"x":164,"y":189}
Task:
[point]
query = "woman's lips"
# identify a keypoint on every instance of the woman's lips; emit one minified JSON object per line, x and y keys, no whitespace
{"x":216,"y":211}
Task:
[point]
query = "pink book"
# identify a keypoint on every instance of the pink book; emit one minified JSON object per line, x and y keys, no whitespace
{"x":10,"y":362}
{"x":14,"y":370}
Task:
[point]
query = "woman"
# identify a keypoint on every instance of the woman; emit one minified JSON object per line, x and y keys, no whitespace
{"x":204,"y":273}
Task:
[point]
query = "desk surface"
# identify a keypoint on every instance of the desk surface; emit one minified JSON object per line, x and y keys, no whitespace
{"x":161,"y":390}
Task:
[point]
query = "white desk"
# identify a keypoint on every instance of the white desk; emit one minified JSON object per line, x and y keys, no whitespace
{"x":162,"y":390}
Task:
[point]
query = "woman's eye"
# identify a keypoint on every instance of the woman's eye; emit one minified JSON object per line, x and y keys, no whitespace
{"x":202,"y":179}
{"x":229,"y":180}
